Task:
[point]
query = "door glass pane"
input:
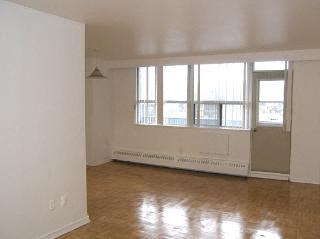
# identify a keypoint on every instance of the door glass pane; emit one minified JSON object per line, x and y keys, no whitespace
{"x":269,"y":65}
{"x":175,"y":113}
{"x":175,"y":83}
{"x":271,"y":113}
{"x":272,"y":90}
{"x":232,"y":116}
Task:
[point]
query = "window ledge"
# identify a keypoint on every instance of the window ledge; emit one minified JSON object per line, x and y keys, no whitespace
{"x":194,"y":127}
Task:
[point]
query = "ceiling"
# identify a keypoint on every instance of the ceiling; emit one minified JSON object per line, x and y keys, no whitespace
{"x":128,"y":29}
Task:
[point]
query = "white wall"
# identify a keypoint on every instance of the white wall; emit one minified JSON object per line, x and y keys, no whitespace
{"x":305,"y":159}
{"x":42,"y":123}
{"x":218,"y":143}
{"x":98,"y":115}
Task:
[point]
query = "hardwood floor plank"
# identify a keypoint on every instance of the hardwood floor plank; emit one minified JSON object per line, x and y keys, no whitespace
{"x":137,"y":201}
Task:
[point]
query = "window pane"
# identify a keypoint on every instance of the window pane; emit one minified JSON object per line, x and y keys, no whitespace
{"x":175,"y":79}
{"x":195,"y":84}
{"x":271,"y":90}
{"x":271,"y":113}
{"x":222,"y":82}
{"x":147,"y":83}
{"x":269,"y":65}
{"x":209,"y":115}
{"x":175,"y":113}
{"x":142,"y":83}
{"x":147,"y":113}
{"x":152,"y":83}
{"x":232,"y":116}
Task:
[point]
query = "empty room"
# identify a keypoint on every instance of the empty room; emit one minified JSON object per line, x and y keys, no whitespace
{"x":166,"y":119}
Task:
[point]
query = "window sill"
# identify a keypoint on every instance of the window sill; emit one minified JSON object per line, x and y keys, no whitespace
{"x":194,"y":127}
{"x":270,"y":125}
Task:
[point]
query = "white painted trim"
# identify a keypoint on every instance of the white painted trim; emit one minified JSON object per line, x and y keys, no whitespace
{"x":288,"y":55}
{"x":304,"y":180}
{"x":267,"y":175}
{"x":65,"y":229}
{"x":100,"y":162}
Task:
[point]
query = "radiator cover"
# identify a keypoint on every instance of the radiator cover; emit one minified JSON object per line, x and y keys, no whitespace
{"x":204,"y":164}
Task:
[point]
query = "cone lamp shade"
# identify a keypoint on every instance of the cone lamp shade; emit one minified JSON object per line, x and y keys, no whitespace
{"x":96,"y":74}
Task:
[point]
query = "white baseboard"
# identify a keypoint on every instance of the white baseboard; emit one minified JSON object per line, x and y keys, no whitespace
{"x":304,"y":180}
{"x":67,"y":228}
{"x":267,"y":175}
{"x":100,"y":162}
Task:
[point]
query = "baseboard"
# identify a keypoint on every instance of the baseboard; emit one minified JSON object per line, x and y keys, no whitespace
{"x":67,"y":228}
{"x":304,"y":180}
{"x":100,"y":162}
{"x":267,"y":175}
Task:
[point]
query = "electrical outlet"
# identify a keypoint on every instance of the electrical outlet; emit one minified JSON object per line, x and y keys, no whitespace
{"x":52,"y":205}
{"x":63,"y":200}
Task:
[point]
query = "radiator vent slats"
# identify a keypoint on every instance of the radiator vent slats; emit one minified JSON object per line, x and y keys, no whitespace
{"x":144,"y":155}
{"x":183,"y":161}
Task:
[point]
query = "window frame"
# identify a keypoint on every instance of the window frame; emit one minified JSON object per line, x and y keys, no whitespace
{"x":243,"y":103}
{"x":193,"y":108}
{"x":187,"y":102}
{"x":147,"y":101}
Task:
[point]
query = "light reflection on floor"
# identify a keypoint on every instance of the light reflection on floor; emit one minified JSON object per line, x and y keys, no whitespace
{"x":231,"y":230}
{"x":149,"y":212}
{"x":173,"y":218}
{"x":264,"y":234}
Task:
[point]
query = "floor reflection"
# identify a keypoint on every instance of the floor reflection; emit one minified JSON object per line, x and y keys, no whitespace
{"x":208,"y":225}
{"x":174,"y":220}
{"x":149,"y":211}
{"x":231,"y":230}
{"x":266,"y":234}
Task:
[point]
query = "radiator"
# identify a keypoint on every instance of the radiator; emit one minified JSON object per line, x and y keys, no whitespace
{"x":204,"y":164}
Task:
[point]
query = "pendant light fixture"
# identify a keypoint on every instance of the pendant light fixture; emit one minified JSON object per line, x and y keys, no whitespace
{"x":96,"y":73}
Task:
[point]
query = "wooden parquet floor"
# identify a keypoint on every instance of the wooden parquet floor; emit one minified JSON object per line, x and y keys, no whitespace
{"x":136,"y":201}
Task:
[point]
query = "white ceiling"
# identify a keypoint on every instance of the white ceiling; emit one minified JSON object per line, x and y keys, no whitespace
{"x":127,"y":29}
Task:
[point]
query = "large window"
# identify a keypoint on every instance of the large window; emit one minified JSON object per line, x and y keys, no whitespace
{"x":146,"y":104}
{"x":175,"y":95}
{"x":212,"y":95}
{"x":220,"y":100}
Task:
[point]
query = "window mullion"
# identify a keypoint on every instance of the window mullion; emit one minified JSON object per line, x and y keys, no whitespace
{"x":136,"y":106}
{"x":147,"y":97}
{"x":190,"y":96}
{"x":199,"y":97}
{"x":244,"y":95}
{"x":159,"y":78}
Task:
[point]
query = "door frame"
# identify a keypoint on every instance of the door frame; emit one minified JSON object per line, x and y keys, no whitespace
{"x":255,"y":77}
